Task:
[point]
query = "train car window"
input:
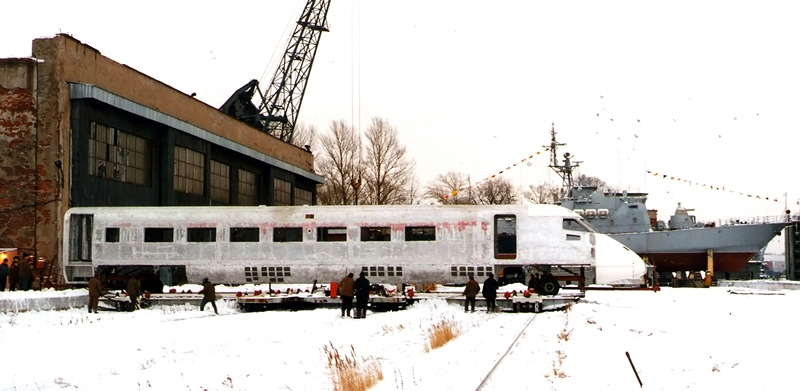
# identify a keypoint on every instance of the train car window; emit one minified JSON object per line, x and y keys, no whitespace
{"x":331,"y":234}
{"x":294,"y":234}
{"x":414,"y":234}
{"x":505,"y":237}
{"x":483,"y":271}
{"x":244,"y":234}
{"x":453,"y":271}
{"x":158,"y":234}
{"x":251,"y":274}
{"x":112,"y":235}
{"x":276,"y":273}
{"x":574,"y":225}
{"x":376,"y":234}
{"x":197,"y":235}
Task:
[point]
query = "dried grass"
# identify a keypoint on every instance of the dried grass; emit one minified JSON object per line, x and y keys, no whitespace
{"x":441,"y":333}
{"x":348,"y":373}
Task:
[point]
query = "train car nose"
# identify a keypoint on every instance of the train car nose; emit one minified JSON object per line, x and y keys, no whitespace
{"x":617,"y":264}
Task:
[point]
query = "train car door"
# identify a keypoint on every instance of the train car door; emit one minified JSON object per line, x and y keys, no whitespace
{"x":80,"y":237}
{"x":505,"y":237}
{"x":78,"y":266}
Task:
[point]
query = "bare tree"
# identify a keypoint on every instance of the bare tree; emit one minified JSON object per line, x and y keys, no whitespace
{"x":412,"y":192}
{"x":543,"y":193}
{"x":341,"y":152}
{"x":387,"y":169}
{"x":496,"y":191}
{"x":450,"y":188}
{"x":585,"y":180}
{"x":305,"y":136}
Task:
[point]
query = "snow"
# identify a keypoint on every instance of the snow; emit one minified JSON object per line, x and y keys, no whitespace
{"x":683,"y":338}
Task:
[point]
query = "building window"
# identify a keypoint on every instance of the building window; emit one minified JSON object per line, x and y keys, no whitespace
{"x":119,"y":156}
{"x":195,"y":235}
{"x":244,"y":234}
{"x":248,"y":188}
{"x":288,"y":235}
{"x":414,"y":234}
{"x":220,"y":182}
{"x":302,"y":196}
{"x":376,"y":234}
{"x":282,"y":193}
{"x":189,"y":171}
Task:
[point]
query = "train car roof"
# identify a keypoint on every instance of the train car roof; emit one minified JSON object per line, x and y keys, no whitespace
{"x":542,"y":210}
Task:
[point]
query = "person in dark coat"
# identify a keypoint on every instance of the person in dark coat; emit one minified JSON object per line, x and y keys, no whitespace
{"x":134,"y":290}
{"x":94,"y":293}
{"x":13,"y":274}
{"x":3,"y":274}
{"x":362,"y":295}
{"x":25,"y":274}
{"x":533,"y":284}
{"x":490,"y":292}
{"x":209,"y":295}
{"x":470,"y":291}
{"x":347,"y":290}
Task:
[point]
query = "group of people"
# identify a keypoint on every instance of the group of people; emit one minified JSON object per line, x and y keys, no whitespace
{"x":359,"y":288}
{"x":472,"y":289}
{"x":133,"y":288}
{"x":19,"y":275}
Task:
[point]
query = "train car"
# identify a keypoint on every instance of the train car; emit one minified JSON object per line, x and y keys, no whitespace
{"x":393,"y":244}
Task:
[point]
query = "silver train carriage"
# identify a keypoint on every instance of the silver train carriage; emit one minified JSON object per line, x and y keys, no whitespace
{"x":412,"y":244}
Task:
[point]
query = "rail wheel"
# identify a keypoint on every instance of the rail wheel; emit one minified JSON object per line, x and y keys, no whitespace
{"x":549,"y":287}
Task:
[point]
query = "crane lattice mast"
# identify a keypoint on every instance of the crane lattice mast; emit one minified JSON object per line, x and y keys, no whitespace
{"x":280,"y":104}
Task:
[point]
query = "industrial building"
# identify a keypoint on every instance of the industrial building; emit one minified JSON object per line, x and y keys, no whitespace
{"x":79,"y":129}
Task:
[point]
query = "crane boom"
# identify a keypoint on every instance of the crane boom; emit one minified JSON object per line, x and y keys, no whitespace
{"x":280,"y":104}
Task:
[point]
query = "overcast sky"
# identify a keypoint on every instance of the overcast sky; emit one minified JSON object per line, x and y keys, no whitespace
{"x":703,"y":91}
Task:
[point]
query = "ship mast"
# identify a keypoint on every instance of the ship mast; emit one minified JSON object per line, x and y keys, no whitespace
{"x":564,"y":171}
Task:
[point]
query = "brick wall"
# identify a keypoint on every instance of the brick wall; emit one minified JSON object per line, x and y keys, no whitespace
{"x":17,"y":162}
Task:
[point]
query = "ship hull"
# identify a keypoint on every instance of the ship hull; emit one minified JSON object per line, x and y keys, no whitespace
{"x":684,"y":250}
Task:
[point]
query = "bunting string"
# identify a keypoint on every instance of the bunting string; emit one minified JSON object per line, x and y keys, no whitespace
{"x":455,"y":192}
{"x":709,"y":186}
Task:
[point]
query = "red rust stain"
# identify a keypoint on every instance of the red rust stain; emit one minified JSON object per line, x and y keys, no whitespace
{"x":460,"y":226}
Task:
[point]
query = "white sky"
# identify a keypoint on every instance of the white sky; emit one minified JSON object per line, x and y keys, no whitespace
{"x":703,"y":91}
{"x":705,"y":339}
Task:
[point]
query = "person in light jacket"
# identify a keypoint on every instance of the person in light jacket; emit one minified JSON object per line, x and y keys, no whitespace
{"x":134,"y":290}
{"x":347,"y":290}
{"x":470,"y":291}
{"x":94,"y":293}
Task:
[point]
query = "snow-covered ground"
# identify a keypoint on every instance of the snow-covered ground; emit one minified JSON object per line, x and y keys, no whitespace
{"x":677,"y":339}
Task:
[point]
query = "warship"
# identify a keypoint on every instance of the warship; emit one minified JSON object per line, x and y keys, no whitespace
{"x":681,"y":245}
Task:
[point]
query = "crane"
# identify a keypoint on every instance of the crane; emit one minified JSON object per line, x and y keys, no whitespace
{"x":277,"y":112}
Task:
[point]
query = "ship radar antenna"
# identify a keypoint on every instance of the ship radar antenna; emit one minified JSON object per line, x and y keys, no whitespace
{"x":564,"y":171}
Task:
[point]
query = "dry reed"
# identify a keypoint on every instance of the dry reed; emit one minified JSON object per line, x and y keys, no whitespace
{"x":441,"y":333}
{"x":348,"y":373}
